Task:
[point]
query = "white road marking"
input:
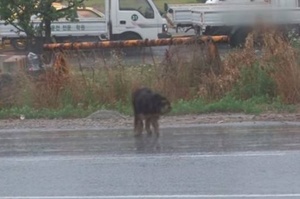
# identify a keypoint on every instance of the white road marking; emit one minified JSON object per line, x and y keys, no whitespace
{"x":144,"y":156}
{"x":158,"y":196}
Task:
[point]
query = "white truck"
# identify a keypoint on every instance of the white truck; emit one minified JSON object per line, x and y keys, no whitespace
{"x":238,"y":20}
{"x":123,"y":20}
{"x":180,"y":15}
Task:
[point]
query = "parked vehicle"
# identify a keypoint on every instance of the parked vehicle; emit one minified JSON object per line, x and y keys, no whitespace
{"x":237,"y":20}
{"x":180,"y":15}
{"x":123,"y":20}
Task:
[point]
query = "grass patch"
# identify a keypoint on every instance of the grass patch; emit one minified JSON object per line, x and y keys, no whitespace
{"x":255,"y":81}
{"x":197,"y":106}
{"x":47,"y":113}
{"x":226,"y":104}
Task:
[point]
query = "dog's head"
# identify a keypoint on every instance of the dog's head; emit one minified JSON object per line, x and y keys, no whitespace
{"x":162,"y":103}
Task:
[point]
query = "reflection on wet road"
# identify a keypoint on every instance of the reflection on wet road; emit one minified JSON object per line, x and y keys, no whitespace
{"x":202,"y":139}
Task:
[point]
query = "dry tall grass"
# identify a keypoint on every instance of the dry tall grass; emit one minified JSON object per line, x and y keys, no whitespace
{"x":186,"y":69}
{"x":276,"y":56}
{"x":284,"y":60}
{"x":187,"y":72}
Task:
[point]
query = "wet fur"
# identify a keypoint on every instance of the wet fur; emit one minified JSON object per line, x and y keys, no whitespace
{"x":148,"y":106}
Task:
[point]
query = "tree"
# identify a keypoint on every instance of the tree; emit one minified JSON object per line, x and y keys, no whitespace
{"x":19,"y":13}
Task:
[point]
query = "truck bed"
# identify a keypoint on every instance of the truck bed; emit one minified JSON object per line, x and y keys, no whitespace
{"x":181,"y":14}
{"x":244,"y":15}
{"x":62,"y":28}
{"x":89,"y":23}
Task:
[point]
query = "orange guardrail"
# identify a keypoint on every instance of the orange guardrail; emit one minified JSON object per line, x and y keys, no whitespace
{"x":136,"y":43}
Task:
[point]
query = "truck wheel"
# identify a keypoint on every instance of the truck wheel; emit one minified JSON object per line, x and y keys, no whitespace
{"x":130,"y":36}
{"x":238,"y":38}
{"x":19,"y":44}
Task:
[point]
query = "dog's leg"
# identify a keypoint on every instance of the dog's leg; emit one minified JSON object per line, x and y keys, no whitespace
{"x":148,"y":122}
{"x":155,"y":125}
{"x":138,"y":125}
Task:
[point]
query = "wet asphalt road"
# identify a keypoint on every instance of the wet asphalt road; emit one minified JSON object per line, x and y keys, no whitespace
{"x":248,"y":160}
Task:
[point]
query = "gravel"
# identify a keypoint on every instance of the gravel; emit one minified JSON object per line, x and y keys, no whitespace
{"x":120,"y":121}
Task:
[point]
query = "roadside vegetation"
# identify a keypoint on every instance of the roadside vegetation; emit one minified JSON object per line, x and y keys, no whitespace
{"x":246,"y":80}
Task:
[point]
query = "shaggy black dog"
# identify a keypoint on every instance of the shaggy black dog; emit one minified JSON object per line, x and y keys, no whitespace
{"x":148,"y":106}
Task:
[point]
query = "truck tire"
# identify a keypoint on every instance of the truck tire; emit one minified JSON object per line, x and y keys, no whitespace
{"x":19,"y":44}
{"x":130,"y":36}
{"x":238,"y":38}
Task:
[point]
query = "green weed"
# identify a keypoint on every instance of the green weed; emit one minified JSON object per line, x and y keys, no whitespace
{"x":31,"y":113}
{"x":255,"y":81}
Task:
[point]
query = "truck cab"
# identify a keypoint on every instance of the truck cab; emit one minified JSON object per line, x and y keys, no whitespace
{"x":135,"y":19}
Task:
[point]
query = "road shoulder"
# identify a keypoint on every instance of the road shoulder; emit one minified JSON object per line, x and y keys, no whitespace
{"x":127,"y":122}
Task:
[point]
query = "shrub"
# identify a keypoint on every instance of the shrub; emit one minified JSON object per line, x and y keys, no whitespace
{"x":255,"y":81}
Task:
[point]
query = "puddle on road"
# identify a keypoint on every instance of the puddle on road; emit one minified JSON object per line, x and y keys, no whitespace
{"x":205,"y":139}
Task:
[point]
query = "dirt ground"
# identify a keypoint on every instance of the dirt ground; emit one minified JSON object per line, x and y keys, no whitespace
{"x":127,"y":122}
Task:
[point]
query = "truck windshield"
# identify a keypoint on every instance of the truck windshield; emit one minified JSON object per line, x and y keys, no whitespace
{"x":142,"y":6}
